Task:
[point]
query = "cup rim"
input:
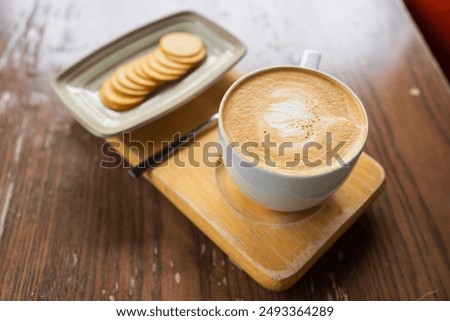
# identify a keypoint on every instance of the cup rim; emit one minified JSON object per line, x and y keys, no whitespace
{"x":353,"y":156}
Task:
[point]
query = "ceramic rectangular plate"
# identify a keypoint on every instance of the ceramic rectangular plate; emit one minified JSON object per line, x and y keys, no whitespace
{"x":78,"y":85}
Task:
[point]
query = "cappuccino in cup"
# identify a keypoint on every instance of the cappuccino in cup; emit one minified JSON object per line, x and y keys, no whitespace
{"x":291,"y":135}
{"x":294,"y":121}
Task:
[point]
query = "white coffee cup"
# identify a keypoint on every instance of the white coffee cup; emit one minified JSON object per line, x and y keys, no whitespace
{"x":283,"y":191}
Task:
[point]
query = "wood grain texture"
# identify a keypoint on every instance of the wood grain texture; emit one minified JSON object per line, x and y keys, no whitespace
{"x":72,"y":230}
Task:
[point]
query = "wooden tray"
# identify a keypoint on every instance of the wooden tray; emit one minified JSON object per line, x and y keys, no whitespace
{"x":274,"y":248}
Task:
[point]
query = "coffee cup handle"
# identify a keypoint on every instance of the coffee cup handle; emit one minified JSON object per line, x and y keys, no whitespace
{"x":310,"y":59}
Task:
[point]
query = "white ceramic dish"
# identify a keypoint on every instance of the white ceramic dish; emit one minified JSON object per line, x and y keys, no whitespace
{"x":77,"y":86}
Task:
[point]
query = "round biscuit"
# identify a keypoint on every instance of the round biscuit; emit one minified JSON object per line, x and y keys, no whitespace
{"x":181,"y":44}
{"x":163,"y":60}
{"x":127,"y":91}
{"x":189,"y":60}
{"x":134,"y":75}
{"x":150,"y":72}
{"x":155,"y":65}
{"x":114,"y":100}
{"x":143,"y":70}
{"x":126,"y":82}
{"x":139,"y":72}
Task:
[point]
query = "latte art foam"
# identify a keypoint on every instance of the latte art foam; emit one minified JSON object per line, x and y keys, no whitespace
{"x":296,"y":106}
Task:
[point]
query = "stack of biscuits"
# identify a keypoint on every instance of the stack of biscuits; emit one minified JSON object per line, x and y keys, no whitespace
{"x":176,"y":54}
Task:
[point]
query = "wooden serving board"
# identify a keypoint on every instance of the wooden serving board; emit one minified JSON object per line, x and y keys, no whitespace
{"x":274,"y":248}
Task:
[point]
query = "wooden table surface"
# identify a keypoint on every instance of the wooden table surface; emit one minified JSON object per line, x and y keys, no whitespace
{"x":72,"y":230}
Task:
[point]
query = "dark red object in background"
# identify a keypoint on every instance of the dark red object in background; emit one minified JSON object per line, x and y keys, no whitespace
{"x":433,"y":19}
